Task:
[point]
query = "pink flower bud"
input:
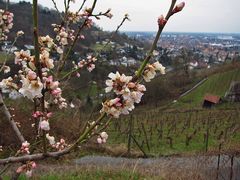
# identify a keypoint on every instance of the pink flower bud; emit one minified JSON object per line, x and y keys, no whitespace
{"x":104,"y":141}
{"x":54,"y":85}
{"x":49,"y":79}
{"x":116,"y":100}
{"x":34,"y":165}
{"x":62,"y":141}
{"x":26,"y":150}
{"x":91,"y":67}
{"x":78,"y":74}
{"x":131,"y":85}
{"x":32,"y":75}
{"x":20,"y":169}
{"x":99,"y":140}
{"x":56,"y":92}
{"x":178,"y":7}
{"x":25,"y":144}
{"x":37,"y":114}
{"x":44,"y":125}
{"x":162,"y":21}
{"x":49,"y":114}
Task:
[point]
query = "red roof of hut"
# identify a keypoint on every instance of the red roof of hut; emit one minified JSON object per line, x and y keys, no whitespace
{"x":212,"y":98}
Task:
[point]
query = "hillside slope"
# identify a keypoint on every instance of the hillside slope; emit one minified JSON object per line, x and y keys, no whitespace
{"x":216,"y":84}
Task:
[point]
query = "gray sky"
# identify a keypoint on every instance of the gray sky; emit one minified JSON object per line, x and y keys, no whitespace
{"x":197,"y":16}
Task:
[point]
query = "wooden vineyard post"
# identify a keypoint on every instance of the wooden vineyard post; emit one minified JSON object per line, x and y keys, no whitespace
{"x":146,"y":137}
{"x":141,"y":149}
{"x":131,"y":137}
{"x":231,"y":170}
{"x":207,"y":136}
{"x":130,"y":125}
{"x":218,"y":160}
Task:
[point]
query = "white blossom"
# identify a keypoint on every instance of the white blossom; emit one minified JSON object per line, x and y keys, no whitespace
{"x":45,"y":59}
{"x":6,"y":69}
{"x":150,"y":71}
{"x":104,"y":135}
{"x":44,"y":125}
{"x":117,"y":83}
{"x":51,"y":139}
{"x":102,"y":138}
{"x":7,"y":85}
{"x":22,"y":56}
{"x":20,"y":33}
{"x":31,"y":89}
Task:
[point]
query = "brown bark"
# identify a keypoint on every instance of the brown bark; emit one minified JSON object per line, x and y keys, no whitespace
{"x":11,"y":120}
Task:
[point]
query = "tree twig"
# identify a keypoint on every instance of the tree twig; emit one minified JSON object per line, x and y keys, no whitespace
{"x":55,"y":6}
{"x":11,"y":120}
{"x":154,"y":45}
{"x":84,"y":1}
{"x":62,"y":63}
{"x":37,"y":61}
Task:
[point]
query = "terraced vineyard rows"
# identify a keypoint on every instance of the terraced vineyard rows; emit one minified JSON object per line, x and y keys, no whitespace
{"x":163,"y":133}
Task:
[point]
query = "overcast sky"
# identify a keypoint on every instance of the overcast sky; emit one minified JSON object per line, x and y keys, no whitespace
{"x":198,"y":15}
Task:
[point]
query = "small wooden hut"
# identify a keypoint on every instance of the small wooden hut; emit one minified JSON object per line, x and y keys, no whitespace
{"x":210,"y":100}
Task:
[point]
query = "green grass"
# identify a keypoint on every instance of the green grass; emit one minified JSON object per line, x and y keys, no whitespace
{"x":86,"y":175}
{"x":217,"y":84}
{"x":102,"y":47}
{"x":3,"y":57}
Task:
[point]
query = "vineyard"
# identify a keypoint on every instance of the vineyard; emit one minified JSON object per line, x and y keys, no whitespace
{"x":167,"y":130}
{"x":166,"y":133}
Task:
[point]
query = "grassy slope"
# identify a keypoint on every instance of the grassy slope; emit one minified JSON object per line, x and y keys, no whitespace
{"x":2,"y":57}
{"x":85,"y":175}
{"x":217,"y":84}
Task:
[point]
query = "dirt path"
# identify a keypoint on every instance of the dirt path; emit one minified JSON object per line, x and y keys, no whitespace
{"x":195,"y":167}
{"x":169,"y":168}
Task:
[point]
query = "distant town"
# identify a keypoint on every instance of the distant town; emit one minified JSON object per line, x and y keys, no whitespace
{"x":199,"y":50}
{"x":191,"y":50}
